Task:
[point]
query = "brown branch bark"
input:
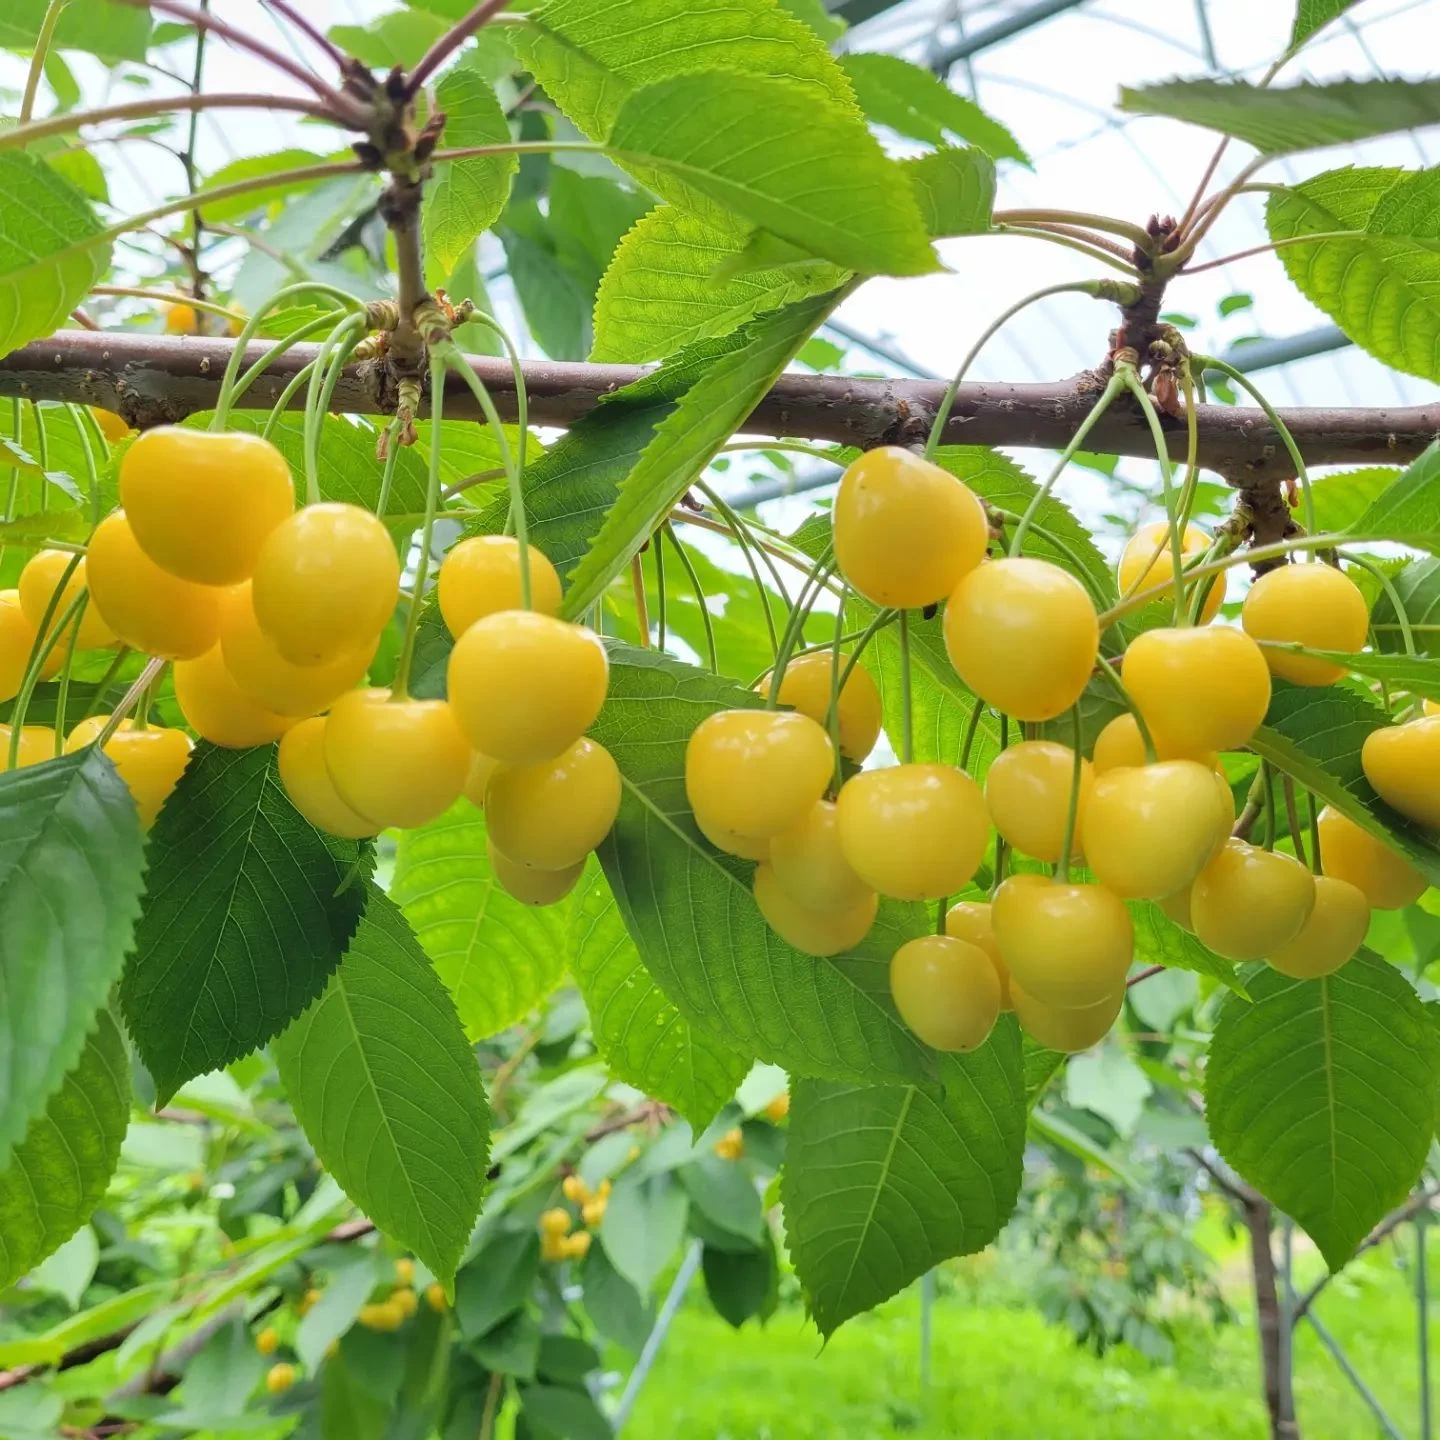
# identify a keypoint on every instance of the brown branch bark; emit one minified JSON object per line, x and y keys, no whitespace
{"x":1283,"y":1425}
{"x":157,"y":379}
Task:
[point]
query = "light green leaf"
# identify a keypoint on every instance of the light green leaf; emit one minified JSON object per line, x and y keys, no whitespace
{"x":1322,"y":1095}
{"x":497,"y":1282}
{"x":644,"y":1039}
{"x":1313,"y":15}
{"x":1418,"y":585}
{"x":255,"y":167}
{"x":1341,"y":498}
{"x":661,"y":292}
{"x":557,"y":309}
{"x":955,"y":190}
{"x":813,"y":12}
{"x":687,"y":439}
{"x":1418,"y":674}
{"x":1074,"y":1141}
{"x":614,"y":1305}
{"x":1279,"y":120}
{"x":248,"y":913}
{"x":1109,"y":1083}
{"x":52,"y":249}
{"x":60,"y":1171}
{"x":1408,"y":511}
{"x":643,"y":1225}
{"x":399,"y":38}
{"x":770,"y":151}
{"x":70,"y":888}
{"x":498,"y":958}
{"x":725,"y":1196}
{"x":1160,"y":941}
{"x":692,"y":917}
{"x":68,"y":1271}
{"x":389,"y":1094}
{"x":916,"y":102}
{"x":881,"y":1183}
{"x":466,"y":197}
{"x":109,"y":29}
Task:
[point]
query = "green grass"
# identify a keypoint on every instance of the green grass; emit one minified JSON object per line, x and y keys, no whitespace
{"x":1000,"y":1372}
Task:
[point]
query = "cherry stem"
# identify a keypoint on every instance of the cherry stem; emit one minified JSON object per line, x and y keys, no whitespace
{"x":1266,"y":780}
{"x":795,"y":626}
{"x":972,"y":728}
{"x":907,"y":717}
{"x":1113,"y":676}
{"x":883,"y":619}
{"x":1069,"y":242}
{"x":85,"y":423}
{"x":387,"y":475}
{"x":736,"y":529}
{"x":668,"y":529}
{"x":47,"y":636}
{"x":1402,"y":615}
{"x":658,"y":551}
{"x":1135,"y":234}
{"x":323,"y":378}
{"x":449,"y":42}
{"x":1292,"y":816}
{"x":1062,"y":869}
{"x":1167,"y":481}
{"x":744,"y":533}
{"x":642,"y":611}
{"x":167,"y":297}
{"x":832,"y":713}
{"x":522,"y":402}
{"x":62,"y":699}
{"x":1314,"y":236}
{"x":323,"y":322}
{"x":138,"y":687}
{"x":282,"y":403}
{"x":37,"y":60}
{"x":105,"y":681}
{"x":1315,"y":862}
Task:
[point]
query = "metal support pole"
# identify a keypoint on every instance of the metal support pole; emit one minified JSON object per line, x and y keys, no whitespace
{"x":1361,"y":1388}
{"x":686,"y":1273}
{"x":1422,"y":1318}
{"x":1287,"y":1318}
{"x":1023,"y":19}
{"x":927,"y":1305}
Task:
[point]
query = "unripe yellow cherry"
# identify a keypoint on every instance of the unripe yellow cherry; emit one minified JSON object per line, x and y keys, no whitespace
{"x":1333,"y":933}
{"x":806,"y":687}
{"x":906,"y":531}
{"x":1023,"y":635}
{"x":550,"y":816}
{"x":732,"y":842}
{"x":40,"y":580}
{"x":149,"y":761}
{"x":1247,"y":902}
{"x":1402,"y":762}
{"x":531,"y":886}
{"x":526,"y":686}
{"x":1120,"y":743}
{"x":307,"y":782}
{"x":1065,"y":944}
{"x":17,"y":640}
{"x":217,"y":710}
{"x":1384,"y":876}
{"x":946,"y":991}
{"x":279,"y":1378}
{"x":970,"y":920}
{"x":112,"y":426}
{"x":482,"y":767}
{"x":1069,"y":1031}
{"x":1430,"y":707}
{"x":913,"y":832}
{"x":813,"y":932}
{"x":810,"y":865}
{"x":37,"y":744}
{"x":182,"y":320}
{"x":267,"y":1342}
{"x":326,"y":581}
{"x":435,"y":1298}
{"x":756,"y":772}
{"x":1202,"y":689}
{"x":481,"y":576}
{"x":1147,"y":561}
{"x":395,"y":762}
{"x":1314,"y":604}
{"x":1027,"y":791}
{"x":1150,"y":829}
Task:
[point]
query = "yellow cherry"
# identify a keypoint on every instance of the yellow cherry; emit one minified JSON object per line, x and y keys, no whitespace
{"x":150,"y":761}
{"x":1147,"y":561}
{"x":1177,"y":907}
{"x":267,"y":1342}
{"x":41,"y":579}
{"x":526,"y":686}
{"x":970,"y":920}
{"x":307,"y":782}
{"x":813,"y":932}
{"x":1150,"y":829}
{"x":1065,"y":944}
{"x":1430,"y":707}
{"x":1027,"y":791}
{"x":1023,"y":635}
{"x":279,"y":1378}
{"x":481,"y":576}
{"x":37,"y":744}
{"x":112,"y":426}
{"x":531,"y":886}
{"x":395,"y":762}
{"x":182,"y":320}
{"x":217,"y":710}
{"x":1202,"y":689}
{"x":1402,"y":762}
{"x":1120,"y":743}
{"x":806,"y":688}
{"x":482,"y":767}
{"x":17,"y":640}
{"x":550,"y":816}
{"x":1069,"y":1031}
{"x":1333,"y":933}
{"x":946,"y":991}
{"x":202,"y":502}
{"x":732,"y":842}
{"x":1385,"y":877}
{"x":906,"y":531}
{"x":1313,"y":604}
{"x":810,"y":865}
{"x":326,"y":581}
{"x":148,"y":608}
{"x":913,"y":832}
{"x":756,"y":772}
{"x":1247,"y":902}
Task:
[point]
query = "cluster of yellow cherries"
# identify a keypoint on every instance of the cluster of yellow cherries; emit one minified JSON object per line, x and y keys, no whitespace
{"x":273,"y":615}
{"x":559,"y":1240}
{"x":1023,"y":635}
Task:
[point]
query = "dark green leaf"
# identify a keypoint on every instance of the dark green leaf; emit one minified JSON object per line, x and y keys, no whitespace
{"x":555,"y":1412}
{"x":614,"y":1305}
{"x":512,"y":1347}
{"x":566,"y":1359}
{"x":1418,"y":585}
{"x":1313,"y":15}
{"x":724,"y":1193}
{"x":497,"y":1282}
{"x":955,"y":190}
{"x":388,"y":1091}
{"x":643,"y":1225}
{"x":557,"y":309}
{"x":467,"y":196}
{"x":741,"y":1285}
{"x":70,"y":888}
{"x":249,"y":911}
{"x":109,"y":29}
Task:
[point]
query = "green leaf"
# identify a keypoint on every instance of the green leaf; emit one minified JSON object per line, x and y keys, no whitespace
{"x":955,"y":190}
{"x":644,"y":1039}
{"x":1313,"y":15}
{"x":1418,"y":674}
{"x":109,"y":29}
{"x":70,"y":887}
{"x":556,"y":1412}
{"x":255,"y":167}
{"x":741,"y":1285}
{"x":1418,"y":585}
{"x":1051,"y":1129}
{"x":59,"y":1172}
{"x":1315,"y":735}
{"x":1107,"y":1082}
{"x":466,"y":196}
{"x":512,"y":1347}
{"x":556,"y":306}
{"x":1375,"y":278}
{"x":388,"y":1091}
{"x":566,"y":1359}
{"x":643,"y":1225}
{"x":687,"y":439}
{"x":1322,"y":1095}
{"x":916,"y":102}
{"x":723,"y":1192}
{"x":1408,"y":512}
{"x":249,"y":911}
{"x":1279,"y":120}
{"x":694,"y":921}
{"x":499,"y":958}
{"x":614,"y":1305}
{"x":497,"y":1282}
{"x":52,"y":249}
{"x":771,"y":151}
{"x":881,"y":1183}
{"x":1160,"y":941}
{"x":1342,"y":497}
{"x":661,"y":292}
{"x":813,"y":12}
{"x":399,"y":38}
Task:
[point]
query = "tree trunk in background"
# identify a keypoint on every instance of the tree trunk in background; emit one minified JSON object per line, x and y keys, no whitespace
{"x":1274,"y":1357}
